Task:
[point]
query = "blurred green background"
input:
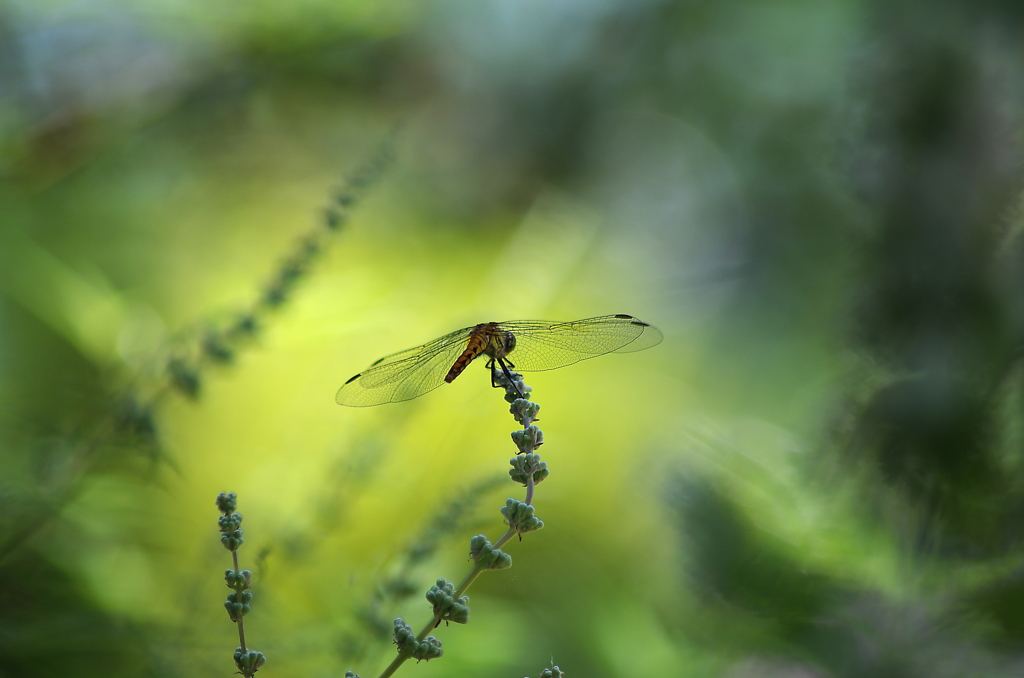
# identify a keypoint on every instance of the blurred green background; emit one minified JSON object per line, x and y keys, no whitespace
{"x":819,"y":472}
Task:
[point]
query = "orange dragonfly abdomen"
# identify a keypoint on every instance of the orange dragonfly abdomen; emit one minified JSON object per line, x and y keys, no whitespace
{"x":479,"y":341}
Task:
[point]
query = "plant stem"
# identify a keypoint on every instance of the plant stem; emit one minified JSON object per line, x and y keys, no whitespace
{"x":393,"y":666}
{"x":241,"y":629}
{"x":477,"y":567}
{"x":432,"y":624}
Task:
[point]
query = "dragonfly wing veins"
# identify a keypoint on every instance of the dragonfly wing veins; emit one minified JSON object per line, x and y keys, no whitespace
{"x":547,"y":346}
{"x":404,"y":375}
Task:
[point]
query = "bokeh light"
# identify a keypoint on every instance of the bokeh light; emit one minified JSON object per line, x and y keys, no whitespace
{"x":212,"y":215}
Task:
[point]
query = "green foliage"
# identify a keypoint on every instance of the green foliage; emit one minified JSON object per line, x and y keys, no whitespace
{"x":819,"y":472}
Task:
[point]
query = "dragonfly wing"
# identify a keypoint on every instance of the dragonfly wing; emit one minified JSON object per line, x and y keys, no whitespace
{"x":404,"y":375}
{"x":649,"y":337}
{"x":546,"y":346}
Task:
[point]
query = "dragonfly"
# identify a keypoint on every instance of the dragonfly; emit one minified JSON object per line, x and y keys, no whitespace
{"x":522,"y":345}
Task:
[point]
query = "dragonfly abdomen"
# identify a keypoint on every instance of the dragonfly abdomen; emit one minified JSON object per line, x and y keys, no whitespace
{"x":479,"y":340}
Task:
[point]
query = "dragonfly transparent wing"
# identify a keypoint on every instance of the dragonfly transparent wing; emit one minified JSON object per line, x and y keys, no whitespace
{"x":542,"y":345}
{"x":404,"y":375}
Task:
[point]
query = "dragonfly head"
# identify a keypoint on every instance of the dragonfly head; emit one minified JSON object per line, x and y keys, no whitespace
{"x":509,"y":342}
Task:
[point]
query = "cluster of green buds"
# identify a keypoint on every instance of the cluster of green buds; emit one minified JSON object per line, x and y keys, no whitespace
{"x":239,"y":601}
{"x":528,"y":439}
{"x":410,"y":646}
{"x":486,"y":556}
{"x":553,"y":672}
{"x":230,"y":522}
{"x":248,"y":662}
{"x":527,"y":466}
{"x":519,"y":516}
{"x":446,"y":606}
{"x":524,"y":411}
{"x":515,"y":388}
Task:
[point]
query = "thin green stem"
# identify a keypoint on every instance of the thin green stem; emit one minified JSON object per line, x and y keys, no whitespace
{"x":432,"y":624}
{"x":466,"y":583}
{"x":477,"y":570}
{"x":241,"y":628}
{"x":504,"y":539}
{"x":393,"y":666}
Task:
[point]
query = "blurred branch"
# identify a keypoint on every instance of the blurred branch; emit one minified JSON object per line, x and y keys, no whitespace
{"x":88,"y":313}
{"x":207,"y":343}
{"x":376,"y":615}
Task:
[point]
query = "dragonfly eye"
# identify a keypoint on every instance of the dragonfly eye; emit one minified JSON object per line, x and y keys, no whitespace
{"x":510,"y":341}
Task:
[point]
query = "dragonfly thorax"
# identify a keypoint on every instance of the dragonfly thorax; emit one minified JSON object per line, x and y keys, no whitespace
{"x":500,"y":344}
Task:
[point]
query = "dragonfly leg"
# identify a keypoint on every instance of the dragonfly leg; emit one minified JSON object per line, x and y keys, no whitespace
{"x":490,"y":366}
{"x":504,"y":368}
